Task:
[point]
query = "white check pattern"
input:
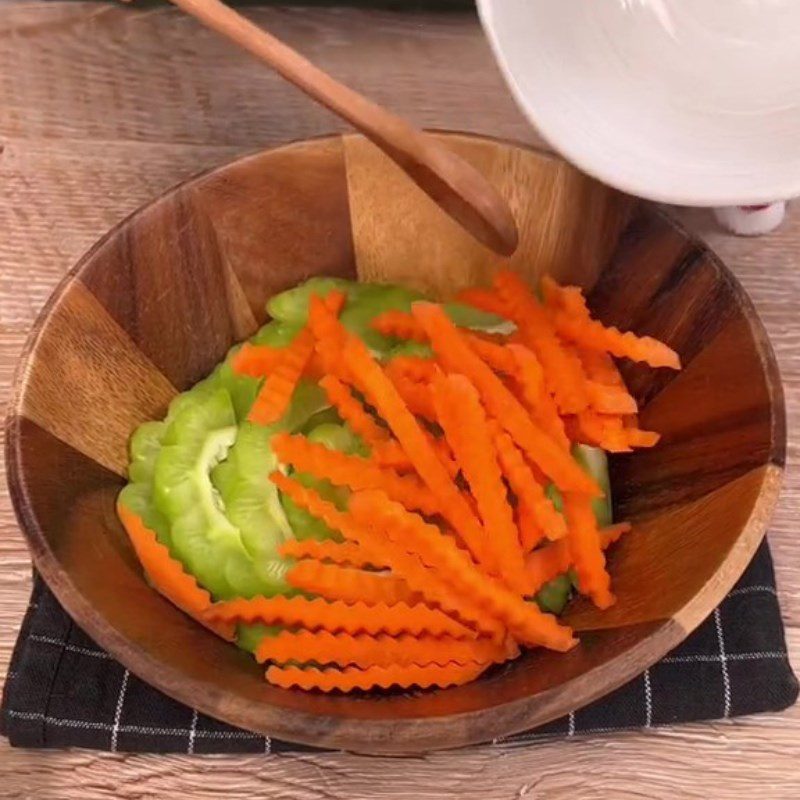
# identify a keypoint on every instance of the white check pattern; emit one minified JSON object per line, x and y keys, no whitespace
{"x":117,"y":728}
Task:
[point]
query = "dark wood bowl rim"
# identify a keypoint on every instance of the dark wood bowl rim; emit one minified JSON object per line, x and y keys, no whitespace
{"x":399,"y":736}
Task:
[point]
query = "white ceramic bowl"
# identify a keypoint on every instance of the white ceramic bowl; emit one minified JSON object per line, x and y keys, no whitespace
{"x":694,"y":102}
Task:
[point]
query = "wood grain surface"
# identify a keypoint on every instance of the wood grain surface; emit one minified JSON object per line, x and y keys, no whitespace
{"x":101,"y":108}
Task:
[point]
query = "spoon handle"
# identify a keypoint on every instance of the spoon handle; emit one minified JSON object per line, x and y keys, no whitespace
{"x":450,"y":181}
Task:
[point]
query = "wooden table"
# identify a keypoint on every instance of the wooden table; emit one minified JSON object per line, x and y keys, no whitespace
{"x":103,"y":107}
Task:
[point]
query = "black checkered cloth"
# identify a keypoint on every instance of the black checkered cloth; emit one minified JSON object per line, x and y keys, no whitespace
{"x":64,"y":691}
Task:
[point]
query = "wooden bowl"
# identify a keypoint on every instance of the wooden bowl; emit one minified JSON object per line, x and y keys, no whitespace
{"x":154,"y":305}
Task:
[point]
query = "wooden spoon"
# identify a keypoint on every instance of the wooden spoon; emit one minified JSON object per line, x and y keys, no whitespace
{"x":456,"y":186}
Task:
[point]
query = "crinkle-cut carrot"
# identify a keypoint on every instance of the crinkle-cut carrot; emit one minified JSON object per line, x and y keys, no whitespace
{"x":329,"y":334}
{"x":525,"y":486}
{"x":599,"y":366}
{"x":586,"y":551}
{"x":445,"y":453}
{"x":545,"y":415}
{"x":168,"y":575}
{"x":610,"y":399}
{"x":495,"y":355}
{"x":275,"y":395}
{"x":531,"y":532}
{"x":563,"y":372}
{"x":319,"y":614}
{"x":345,"y":553}
{"x":613,"y":533}
{"x":466,"y":428}
{"x":408,"y":566}
{"x":573,"y":320}
{"x":546,"y":563}
{"x":256,"y":360}
{"x":640,"y":438}
{"x":417,"y":396}
{"x":529,"y":372}
{"x":404,"y":326}
{"x":413,"y":367}
{"x":353,"y":678}
{"x":592,"y":334}
{"x":549,"y":562}
{"x":398,"y":324}
{"x":363,"y":650}
{"x":526,"y":623}
{"x":383,"y":395}
{"x":391,"y":454}
{"x":568,"y":298}
{"x":353,"y":412}
{"x":482,"y":298}
{"x":457,"y":357}
{"x":636,"y":437}
{"x":351,"y":585}
{"x":602,"y":430}
{"x":536,"y":399}
{"x":354,"y":472}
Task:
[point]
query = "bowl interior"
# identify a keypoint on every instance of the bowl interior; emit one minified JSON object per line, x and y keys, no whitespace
{"x":159,"y":301}
{"x":675,"y":100}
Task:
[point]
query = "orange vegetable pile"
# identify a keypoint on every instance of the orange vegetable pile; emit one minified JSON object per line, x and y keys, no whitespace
{"x":448,"y":531}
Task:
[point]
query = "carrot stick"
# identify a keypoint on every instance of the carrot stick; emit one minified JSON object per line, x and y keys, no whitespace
{"x":525,"y":486}
{"x":398,"y":324}
{"x":391,"y":454}
{"x":257,"y":361}
{"x":408,"y":566}
{"x":591,"y":334}
{"x":586,"y":551}
{"x":528,"y":371}
{"x":600,"y":367}
{"x":354,"y":472}
{"x":352,"y":678}
{"x":639,"y":438}
{"x":530,"y":532}
{"x":359,"y":617}
{"x":344,"y":553}
{"x":466,"y":427}
{"x":414,"y":368}
{"x":384,"y":397}
{"x":417,"y":396}
{"x":404,"y":326}
{"x":482,"y":298}
{"x":275,"y":395}
{"x":495,"y":355}
{"x":563,"y":372}
{"x":525,"y":621}
{"x":602,"y":430}
{"x":546,"y":563}
{"x":613,"y":533}
{"x":168,"y":575}
{"x":549,"y":562}
{"x":567,"y":298}
{"x":456,"y":356}
{"x":364,"y":650}
{"x":329,"y":334}
{"x":351,"y":585}
{"x":536,"y":399}
{"x":353,"y":412}
{"x":610,"y":399}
